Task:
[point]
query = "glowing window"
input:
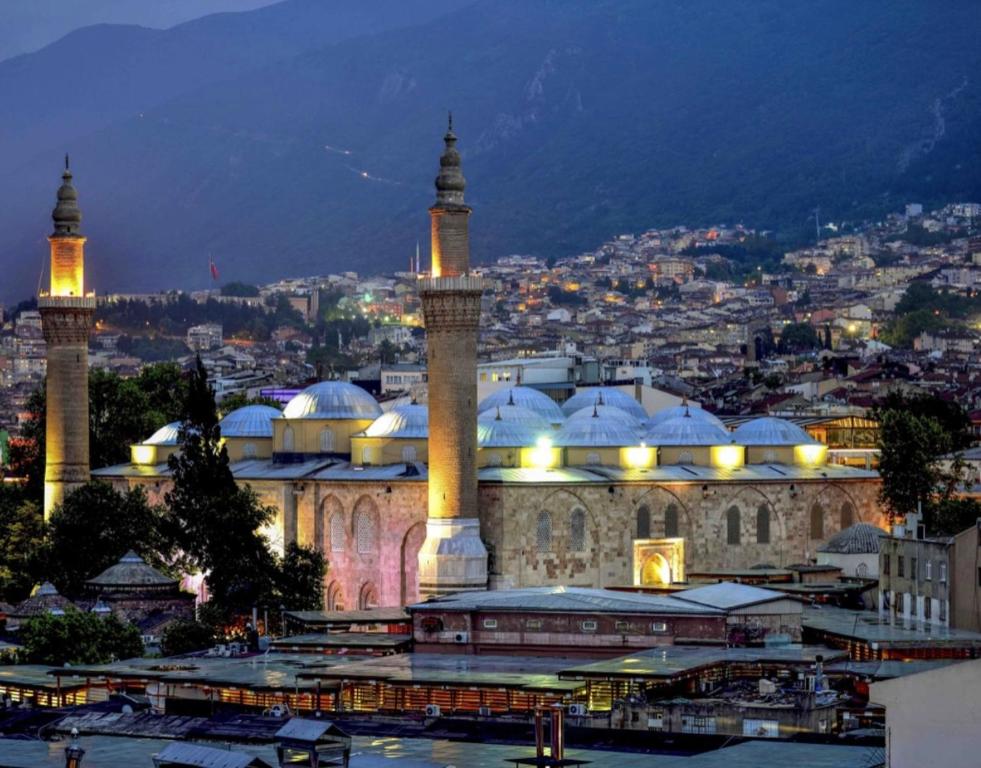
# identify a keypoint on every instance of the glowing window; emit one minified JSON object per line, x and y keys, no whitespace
{"x":577,"y":530}
{"x":733,"y":533}
{"x":763,"y":525}
{"x":543,"y":532}
{"x":671,"y":521}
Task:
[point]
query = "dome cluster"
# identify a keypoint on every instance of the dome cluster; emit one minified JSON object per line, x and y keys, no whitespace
{"x":332,"y":400}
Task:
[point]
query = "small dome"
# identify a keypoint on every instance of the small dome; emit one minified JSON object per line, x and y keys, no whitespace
{"x":332,"y":400}
{"x":402,"y":421}
{"x":130,"y":571}
{"x":608,"y":413}
{"x":526,"y":397}
{"x":587,"y":398}
{"x":503,"y":433}
{"x":598,"y":430}
{"x":858,"y":539}
{"x":250,"y":421}
{"x":166,"y":435}
{"x":771,"y":431}
{"x":680,"y":410}
{"x":687,"y":430}
{"x":47,"y":589}
{"x":516,"y":413}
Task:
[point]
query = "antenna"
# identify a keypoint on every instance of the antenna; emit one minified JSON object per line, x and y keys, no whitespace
{"x":817,"y":223}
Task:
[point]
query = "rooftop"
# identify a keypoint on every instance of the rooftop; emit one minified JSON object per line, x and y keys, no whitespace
{"x":858,"y":539}
{"x":727,"y":595}
{"x":881,"y":632}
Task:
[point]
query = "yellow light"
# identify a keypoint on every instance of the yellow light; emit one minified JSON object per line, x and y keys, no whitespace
{"x":145,"y":455}
{"x":639,"y":457}
{"x":727,"y":456}
{"x":67,"y":260}
{"x":811,"y":454}
{"x":543,"y":455}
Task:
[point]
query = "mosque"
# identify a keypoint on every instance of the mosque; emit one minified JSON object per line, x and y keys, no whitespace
{"x":516,"y":490}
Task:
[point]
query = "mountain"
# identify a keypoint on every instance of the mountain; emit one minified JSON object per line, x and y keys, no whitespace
{"x":577,"y":119}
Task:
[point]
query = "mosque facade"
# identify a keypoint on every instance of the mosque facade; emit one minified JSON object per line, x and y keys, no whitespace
{"x":516,"y":490}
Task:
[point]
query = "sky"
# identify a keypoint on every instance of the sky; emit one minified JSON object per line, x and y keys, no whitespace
{"x":27,"y":25}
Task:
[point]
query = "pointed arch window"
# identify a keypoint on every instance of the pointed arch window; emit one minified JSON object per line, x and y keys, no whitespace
{"x":643,"y":522}
{"x":763,"y":525}
{"x":326,"y":440}
{"x":543,"y":532}
{"x":847,"y":516}
{"x":337,"y":538}
{"x":817,"y":522}
{"x":289,"y":439}
{"x":733,"y":523}
{"x":408,"y":454}
{"x":671,"y":521}
{"x":366,"y":532}
{"x":577,"y":530}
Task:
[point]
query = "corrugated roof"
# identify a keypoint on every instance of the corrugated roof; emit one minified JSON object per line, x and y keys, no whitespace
{"x":186,"y":754}
{"x":302,"y":729}
{"x":687,"y":430}
{"x":771,"y":431}
{"x":727,"y":595}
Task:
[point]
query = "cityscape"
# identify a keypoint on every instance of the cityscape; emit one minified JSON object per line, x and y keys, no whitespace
{"x":693,"y":492}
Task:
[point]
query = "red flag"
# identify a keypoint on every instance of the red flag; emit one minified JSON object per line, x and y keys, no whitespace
{"x":214,"y":269}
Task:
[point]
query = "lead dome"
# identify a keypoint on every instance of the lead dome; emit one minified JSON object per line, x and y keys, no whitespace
{"x":249,"y":421}
{"x":525,"y":397}
{"x":680,"y":410}
{"x":769,"y":430}
{"x":587,"y":398}
{"x":688,"y":431}
{"x":332,"y":400}
{"x":169,"y":434}
{"x":597,"y":430}
{"x":405,"y":421}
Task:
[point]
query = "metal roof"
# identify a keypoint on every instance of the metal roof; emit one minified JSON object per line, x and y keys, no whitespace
{"x":516,"y":413}
{"x":587,"y":398}
{"x":858,"y":539}
{"x":525,"y":397}
{"x":727,"y":595}
{"x":608,"y":413}
{"x":249,"y":421}
{"x":696,"y":412}
{"x":131,"y":571}
{"x":688,"y":431}
{"x":498,"y":433}
{"x":302,"y":729}
{"x":186,"y":754}
{"x":332,"y":400}
{"x":169,"y":434}
{"x":403,"y":421}
{"x":562,"y":599}
{"x":771,"y":431}
{"x":598,"y":430}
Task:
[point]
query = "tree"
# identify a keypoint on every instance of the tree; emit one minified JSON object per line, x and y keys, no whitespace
{"x":215,"y":523}
{"x":953,"y":419}
{"x":78,"y":638}
{"x":182,"y":637}
{"x":95,"y":526}
{"x":301,"y":578}
{"x":21,"y":542}
{"x":238,"y":400}
{"x":237,"y":288}
{"x":798,"y":337}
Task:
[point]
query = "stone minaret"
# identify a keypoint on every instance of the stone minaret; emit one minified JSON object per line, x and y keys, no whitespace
{"x":453,"y":557}
{"x":66,"y":316}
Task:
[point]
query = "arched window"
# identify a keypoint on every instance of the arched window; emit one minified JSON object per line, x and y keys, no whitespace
{"x":817,"y":522}
{"x":335,"y":598}
{"x":686,"y":457}
{"x":408,"y":454}
{"x":643,"y":522}
{"x":248,"y":451}
{"x":847,"y":516}
{"x":763,"y":525}
{"x":577,"y":530}
{"x":326,"y":440}
{"x":671,"y":521}
{"x":733,"y":533}
{"x":593,"y":459}
{"x":543,"y":532}
{"x":289,"y":439}
{"x":862,"y":571}
{"x":368,"y":597}
{"x":769,"y":456}
{"x":365,"y":532}
{"x":337,"y":538}
{"x":366,"y":455}
{"x":495,"y":460}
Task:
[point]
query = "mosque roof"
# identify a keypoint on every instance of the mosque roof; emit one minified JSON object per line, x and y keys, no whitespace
{"x":332,"y":400}
{"x":604,"y":396}
{"x":250,"y":421}
{"x":609,"y":413}
{"x":516,"y":413}
{"x":858,"y":539}
{"x":680,"y":410}
{"x":525,"y":397}
{"x":494,"y":431}
{"x":44,"y":598}
{"x":168,"y":434}
{"x":131,"y":571}
{"x":769,"y":430}
{"x":405,"y":421}
{"x":688,"y":430}
{"x":598,"y":429}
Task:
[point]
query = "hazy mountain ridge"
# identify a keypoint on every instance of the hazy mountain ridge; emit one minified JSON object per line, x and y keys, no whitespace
{"x":577,"y":120}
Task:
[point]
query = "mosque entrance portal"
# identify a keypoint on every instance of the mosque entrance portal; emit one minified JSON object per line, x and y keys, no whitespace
{"x":658,"y":562}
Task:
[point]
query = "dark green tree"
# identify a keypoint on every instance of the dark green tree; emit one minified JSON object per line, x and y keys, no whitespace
{"x":78,"y":638}
{"x":239,"y":400}
{"x":95,"y":526}
{"x":21,"y":544}
{"x":798,"y":337}
{"x":185,"y":637}
{"x":301,"y":578}
{"x":953,"y":419}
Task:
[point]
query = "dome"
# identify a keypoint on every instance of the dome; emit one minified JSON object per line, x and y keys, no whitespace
{"x":250,"y":421}
{"x":608,"y":413}
{"x":166,"y":435}
{"x":402,"y":421}
{"x":587,"y":398}
{"x":526,"y":397}
{"x":771,"y":431}
{"x":497,"y":432}
{"x":687,"y":430}
{"x":131,"y":571}
{"x":680,"y":410}
{"x":516,"y":413}
{"x":858,"y":539}
{"x":332,"y":400}
{"x":597,"y":430}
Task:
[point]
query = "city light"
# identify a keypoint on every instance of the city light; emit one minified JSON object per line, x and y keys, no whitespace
{"x":811,"y":454}
{"x":728,"y":456}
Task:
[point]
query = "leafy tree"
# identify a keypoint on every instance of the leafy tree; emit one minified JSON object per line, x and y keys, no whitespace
{"x":185,"y":637}
{"x":21,"y":542}
{"x":953,"y":419}
{"x":798,"y":337}
{"x":301,"y":578}
{"x":950,"y":516}
{"x":215,"y":523}
{"x":903,"y":330}
{"x":387,"y":352}
{"x":94,"y":527}
{"x":239,"y":400}
{"x":78,"y":638}
{"x":237,"y":288}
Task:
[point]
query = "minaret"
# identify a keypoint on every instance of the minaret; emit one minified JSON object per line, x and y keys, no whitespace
{"x":453,"y":557}
{"x":66,"y":316}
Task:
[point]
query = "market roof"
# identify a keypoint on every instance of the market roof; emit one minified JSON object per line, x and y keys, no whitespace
{"x":249,"y":421}
{"x":186,"y":754}
{"x":131,"y":571}
{"x":768,"y":430}
{"x":882,"y":632}
{"x":562,"y":599}
{"x":858,"y":539}
{"x":332,"y":400}
{"x":525,"y":397}
{"x":403,"y":421}
{"x":586,"y":398}
{"x":302,"y":729}
{"x":727,"y":595}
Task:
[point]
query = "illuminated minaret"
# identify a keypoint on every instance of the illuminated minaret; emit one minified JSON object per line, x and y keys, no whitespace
{"x":66,"y":316}
{"x":453,"y":557}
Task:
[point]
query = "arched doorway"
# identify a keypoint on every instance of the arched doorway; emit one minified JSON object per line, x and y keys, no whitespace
{"x":656,"y":571}
{"x":368,"y":597}
{"x":411,"y":544}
